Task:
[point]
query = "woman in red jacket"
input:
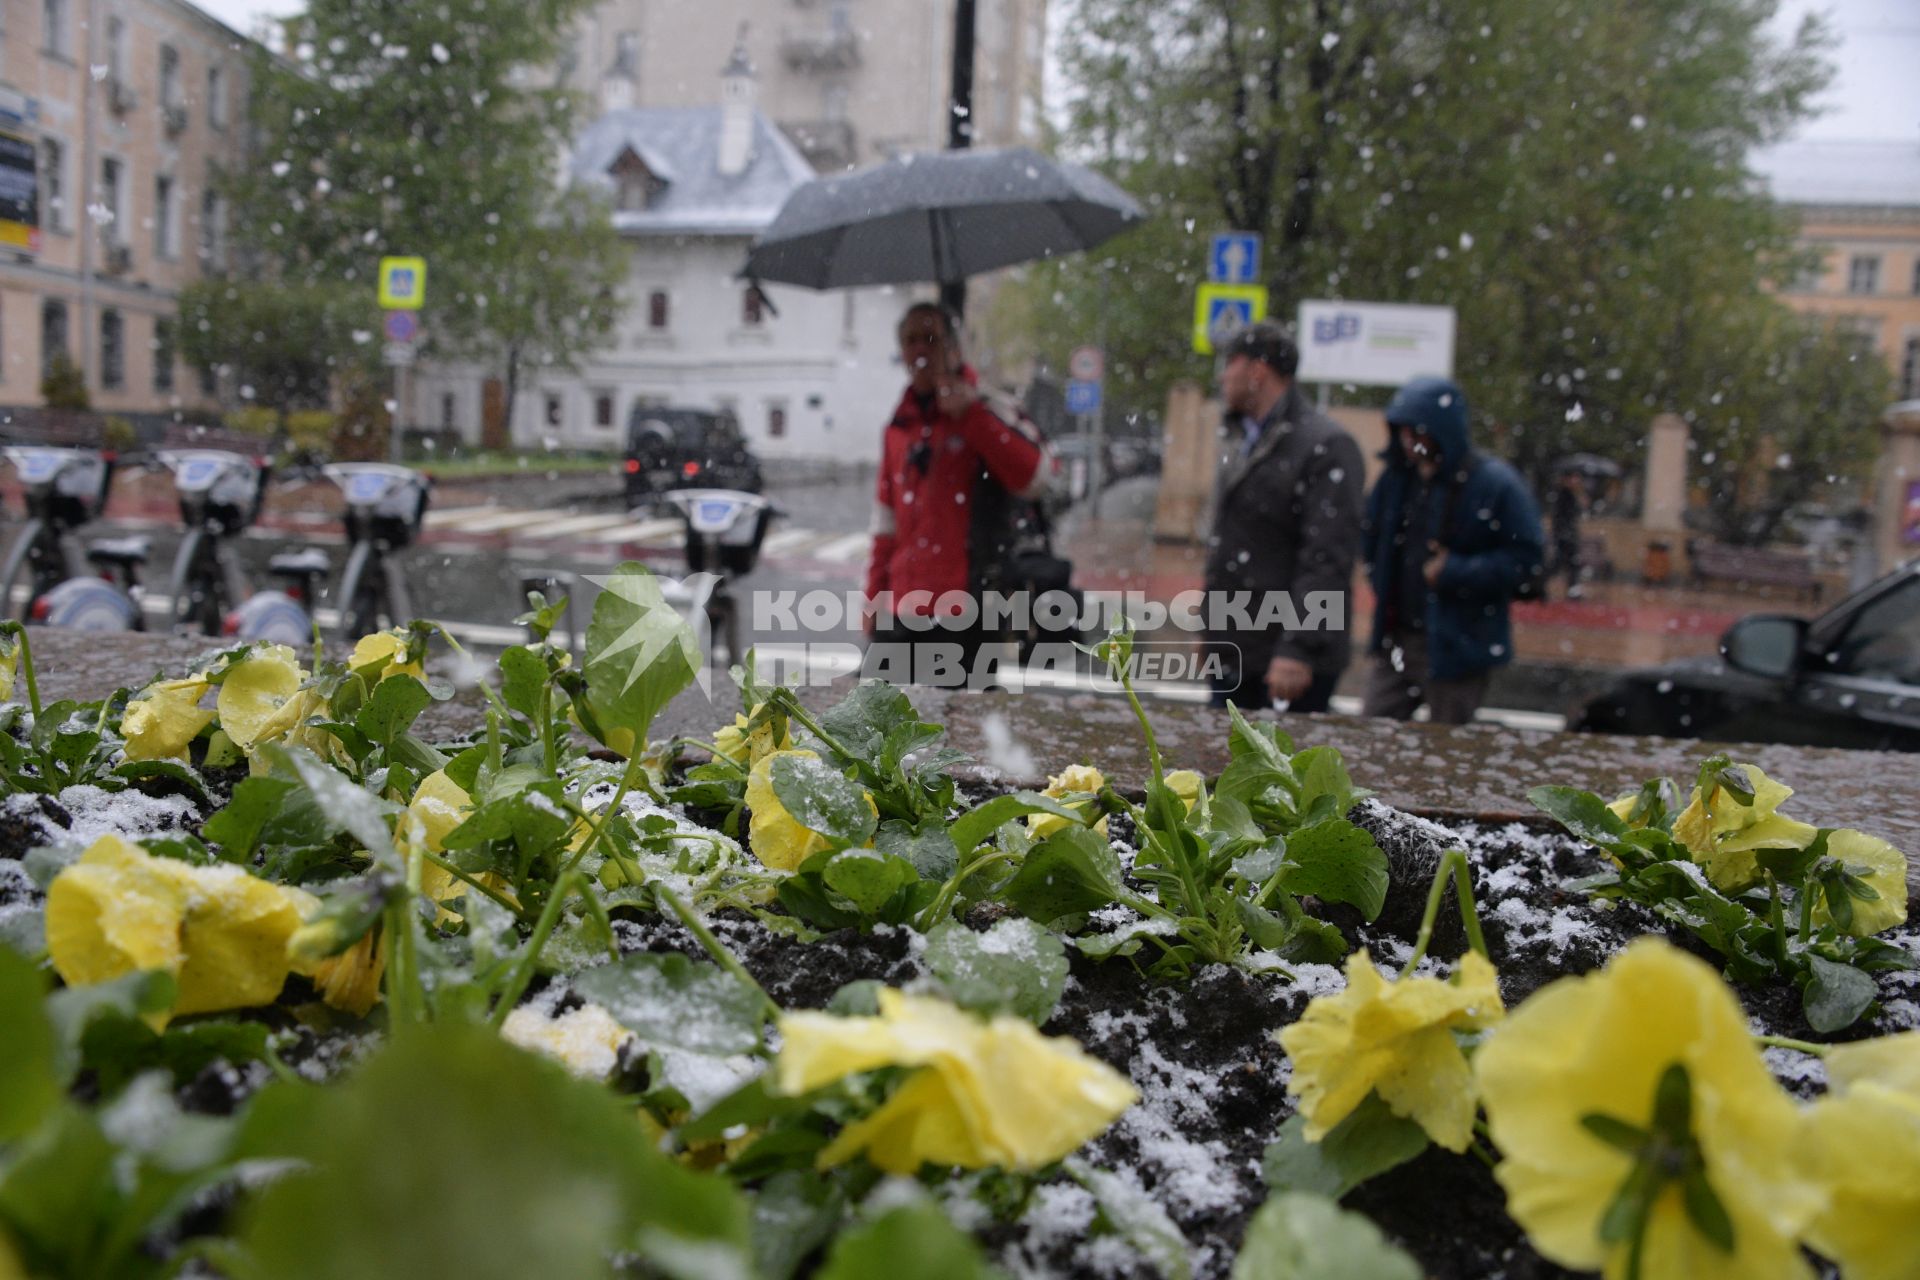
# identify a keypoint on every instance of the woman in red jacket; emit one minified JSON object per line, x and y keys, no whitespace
{"x":952,"y":463}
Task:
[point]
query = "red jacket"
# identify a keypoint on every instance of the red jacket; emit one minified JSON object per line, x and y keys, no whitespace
{"x":929,"y":467}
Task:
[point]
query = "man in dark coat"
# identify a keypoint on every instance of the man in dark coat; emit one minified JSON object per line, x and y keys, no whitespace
{"x":1286,"y":529}
{"x":1451,"y":536}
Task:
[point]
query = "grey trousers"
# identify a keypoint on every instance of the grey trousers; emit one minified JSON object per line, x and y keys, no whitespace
{"x":1397,"y":683}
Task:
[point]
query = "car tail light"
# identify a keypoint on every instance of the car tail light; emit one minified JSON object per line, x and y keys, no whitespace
{"x":230,"y":625}
{"x":633,"y":466}
{"x":41,"y":608}
{"x":690,"y":469}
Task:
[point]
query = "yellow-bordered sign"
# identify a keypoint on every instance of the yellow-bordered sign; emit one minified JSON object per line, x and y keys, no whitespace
{"x":1220,"y":310}
{"x":403,"y":283}
{"x":19,"y":193}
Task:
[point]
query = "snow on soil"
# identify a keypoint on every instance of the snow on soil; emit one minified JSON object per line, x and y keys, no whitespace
{"x":94,"y":812}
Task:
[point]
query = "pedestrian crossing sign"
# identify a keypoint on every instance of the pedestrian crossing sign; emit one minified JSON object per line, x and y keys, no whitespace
{"x":1222,"y":310}
{"x":403,"y":283}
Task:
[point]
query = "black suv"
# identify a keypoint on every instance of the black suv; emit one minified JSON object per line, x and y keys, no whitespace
{"x":686,"y":449}
{"x":1849,"y":678}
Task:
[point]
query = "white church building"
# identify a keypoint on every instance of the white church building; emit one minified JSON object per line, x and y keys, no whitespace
{"x":806,"y":374}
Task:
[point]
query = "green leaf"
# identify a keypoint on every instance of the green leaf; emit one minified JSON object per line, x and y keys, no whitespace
{"x":1325,"y":789}
{"x":553,"y":1174}
{"x":1367,"y":1143}
{"x":255,"y":803}
{"x":118,"y":1048}
{"x":794,"y":1213}
{"x":1790,"y":866}
{"x":1071,"y":872}
{"x":529,"y":816}
{"x":171,"y":770}
{"x":822,"y":799}
{"x":863,"y":719}
{"x":929,"y":851}
{"x":1266,"y":743}
{"x":1296,"y":1236}
{"x":1339,"y":862}
{"x":1582,"y":813}
{"x":1016,"y":967}
{"x":640,"y":654}
{"x":73,"y":1009}
{"x":523,"y":673}
{"x":670,"y":999}
{"x":912,"y":1240}
{"x":1706,"y":1212}
{"x":867,"y":878}
{"x":396,"y":702}
{"x":348,"y":807}
{"x":1836,"y":994}
{"x":28,"y":1086}
{"x":1615,"y":1132}
{"x":976,"y":826}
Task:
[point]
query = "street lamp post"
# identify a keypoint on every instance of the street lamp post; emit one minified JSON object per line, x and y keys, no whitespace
{"x":960,"y":116}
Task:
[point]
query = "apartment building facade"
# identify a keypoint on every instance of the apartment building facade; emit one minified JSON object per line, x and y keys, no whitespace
{"x":850,"y":81}
{"x":115,"y":116}
{"x":1859,"y":210}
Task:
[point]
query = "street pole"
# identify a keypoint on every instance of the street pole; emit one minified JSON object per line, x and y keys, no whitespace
{"x":960,"y":118}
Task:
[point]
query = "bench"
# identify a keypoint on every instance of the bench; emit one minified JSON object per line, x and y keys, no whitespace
{"x":1753,"y":567}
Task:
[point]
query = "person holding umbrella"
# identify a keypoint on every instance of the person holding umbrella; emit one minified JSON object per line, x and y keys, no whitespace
{"x":955,"y":463}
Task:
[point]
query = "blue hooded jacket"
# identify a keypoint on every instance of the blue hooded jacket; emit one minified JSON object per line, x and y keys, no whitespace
{"x":1488,"y":523}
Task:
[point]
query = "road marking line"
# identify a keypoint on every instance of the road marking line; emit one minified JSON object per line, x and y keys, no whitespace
{"x":645,"y":532}
{"x":850,"y":547}
{"x":503,"y":521}
{"x":787,"y":539}
{"x":576,"y":525}
{"x":438,"y":519}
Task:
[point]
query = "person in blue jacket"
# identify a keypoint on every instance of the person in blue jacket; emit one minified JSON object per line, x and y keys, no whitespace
{"x":1450,"y":536}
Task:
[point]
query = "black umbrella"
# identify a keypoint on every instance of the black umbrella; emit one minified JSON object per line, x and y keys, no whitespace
{"x":937,"y":217}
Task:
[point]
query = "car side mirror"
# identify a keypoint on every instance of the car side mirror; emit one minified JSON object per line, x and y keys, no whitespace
{"x":1766,"y":645}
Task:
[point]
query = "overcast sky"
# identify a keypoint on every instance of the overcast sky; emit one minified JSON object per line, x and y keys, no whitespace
{"x":1876,"y":93}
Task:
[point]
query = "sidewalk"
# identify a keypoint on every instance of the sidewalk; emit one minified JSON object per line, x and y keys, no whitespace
{"x":1614,"y":625}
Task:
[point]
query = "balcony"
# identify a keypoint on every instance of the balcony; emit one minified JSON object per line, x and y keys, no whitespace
{"x":835,"y":48}
{"x":120,"y":96}
{"x":828,"y":145}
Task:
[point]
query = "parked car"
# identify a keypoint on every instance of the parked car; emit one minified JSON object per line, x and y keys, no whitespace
{"x":1848,"y":678}
{"x":686,"y":449}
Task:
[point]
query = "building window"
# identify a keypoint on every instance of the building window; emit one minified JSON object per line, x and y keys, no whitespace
{"x":166,"y":221}
{"x":53,"y":185}
{"x":446,"y":411}
{"x":53,"y":21}
{"x":113,"y":351}
{"x":1916,"y":277}
{"x":170,"y":80}
{"x":657,"y":309}
{"x":216,"y":98}
{"x":112,"y":231}
{"x":209,"y":381}
{"x":1863,"y":274}
{"x":776,"y":421}
{"x":553,"y":409}
{"x":163,"y":354}
{"x":53,"y":334}
{"x":1910,"y":371}
{"x":603,"y":408}
{"x":626,"y":55}
{"x":213,"y":217}
{"x":752,"y":308}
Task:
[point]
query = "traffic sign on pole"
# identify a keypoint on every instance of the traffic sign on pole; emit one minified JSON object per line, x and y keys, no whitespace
{"x":403,"y":283}
{"x":1234,"y":258}
{"x":1222,"y":310}
{"x":1083,"y":396}
{"x":1087,"y":364}
{"x":402,"y":326}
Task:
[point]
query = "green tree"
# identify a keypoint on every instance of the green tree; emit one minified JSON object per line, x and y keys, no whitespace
{"x":1570,"y":177}
{"x":64,"y":386}
{"x":407,"y":129}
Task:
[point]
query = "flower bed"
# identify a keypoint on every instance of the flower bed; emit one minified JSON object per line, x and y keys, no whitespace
{"x":791,"y":1001}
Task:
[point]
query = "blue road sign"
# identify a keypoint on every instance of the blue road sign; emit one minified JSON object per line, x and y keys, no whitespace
{"x":1235,"y":258}
{"x":1228,"y":316}
{"x":1083,"y":397}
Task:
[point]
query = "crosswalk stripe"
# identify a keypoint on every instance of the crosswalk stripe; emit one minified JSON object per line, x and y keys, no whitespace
{"x":450,"y":516}
{"x":511,"y":518}
{"x":644,"y":531}
{"x":581,"y":524}
{"x":787,"y":539}
{"x":847,"y":548}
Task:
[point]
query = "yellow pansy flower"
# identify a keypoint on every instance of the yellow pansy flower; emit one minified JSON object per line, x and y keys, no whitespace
{"x":1722,"y":833}
{"x":220,"y":932}
{"x":990,"y":1092}
{"x":385,"y":647}
{"x":1075,"y":779}
{"x":586,"y":1041}
{"x":1395,"y":1039}
{"x":9,"y":659}
{"x":1861,"y":1143}
{"x":776,"y":836}
{"x":351,"y":980}
{"x":1188,"y":785}
{"x":164,"y":718}
{"x":255,"y":689}
{"x":736,"y":743}
{"x":1599,"y":1045}
{"x":1886,"y":874}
